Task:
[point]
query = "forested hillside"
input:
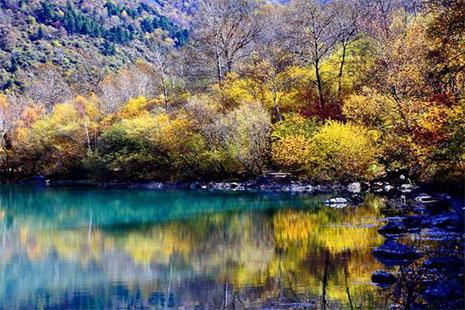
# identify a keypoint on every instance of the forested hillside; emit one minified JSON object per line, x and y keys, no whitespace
{"x":143,"y":90}
{"x":76,"y":36}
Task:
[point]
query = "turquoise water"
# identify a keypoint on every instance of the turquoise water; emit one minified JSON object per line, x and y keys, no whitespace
{"x":85,"y":249}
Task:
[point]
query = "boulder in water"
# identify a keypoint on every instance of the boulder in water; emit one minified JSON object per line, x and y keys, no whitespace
{"x":383,"y":278}
{"x":392,"y":253}
{"x":450,"y":222}
{"x":392,"y":228}
{"x":449,"y":262}
{"x":407,"y":188}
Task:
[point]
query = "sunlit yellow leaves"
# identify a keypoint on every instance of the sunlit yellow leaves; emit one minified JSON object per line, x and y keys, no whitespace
{"x":434,"y":123}
{"x":292,"y":153}
{"x":294,"y":125}
{"x":264,"y":84}
{"x":134,"y":107}
{"x":342,"y":151}
{"x":359,"y":60}
{"x":291,"y":147}
{"x":335,"y":151}
{"x":372,"y":109}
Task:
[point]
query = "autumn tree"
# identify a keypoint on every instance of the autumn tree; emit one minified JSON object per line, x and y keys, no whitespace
{"x":6,"y":120}
{"x":9,"y":114}
{"x":243,"y":134}
{"x":266,"y":73}
{"x":446,"y":34}
{"x":312,"y":34}
{"x":130,"y":82}
{"x":348,"y":27}
{"x":46,"y":85}
{"x":222,"y":34}
{"x":165,"y":63}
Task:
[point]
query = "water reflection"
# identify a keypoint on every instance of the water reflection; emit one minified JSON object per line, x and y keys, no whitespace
{"x":100,"y":249}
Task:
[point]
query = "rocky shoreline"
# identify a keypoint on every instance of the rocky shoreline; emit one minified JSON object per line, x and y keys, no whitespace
{"x":423,"y":252}
{"x":276,"y":182}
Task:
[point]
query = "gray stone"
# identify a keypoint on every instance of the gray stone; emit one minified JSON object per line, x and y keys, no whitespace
{"x":383,"y":278}
{"x":355,"y":187}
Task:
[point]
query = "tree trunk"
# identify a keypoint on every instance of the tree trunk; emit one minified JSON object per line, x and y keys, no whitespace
{"x":276,"y":110}
{"x":347,"y":286}
{"x":341,"y":70}
{"x":325,"y":281}
{"x":319,"y":84}
{"x":165,"y":92}
{"x":86,"y":130}
{"x":219,"y":71}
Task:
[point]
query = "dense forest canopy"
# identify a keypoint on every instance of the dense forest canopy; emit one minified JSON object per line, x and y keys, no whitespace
{"x":326,"y":90}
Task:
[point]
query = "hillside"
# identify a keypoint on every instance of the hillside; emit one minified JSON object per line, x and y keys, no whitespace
{"x":75,"y":35}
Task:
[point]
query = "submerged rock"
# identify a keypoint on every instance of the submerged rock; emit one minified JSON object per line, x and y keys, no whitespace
{"x":383,"y":278}
{"x":443,"y":290}
{"x":450,"y":222}
{"x":443,"y":262}
{"x":413,"y":222}
{"x":392,"y":228}
{"x":392,"y":253}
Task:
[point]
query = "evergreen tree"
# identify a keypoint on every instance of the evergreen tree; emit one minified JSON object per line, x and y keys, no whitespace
{"x":47,"y":12}
{"x":147,"y":25}
{"x":108,"y":48}
{"x":40,"y":33}
{"x":112,"y":8}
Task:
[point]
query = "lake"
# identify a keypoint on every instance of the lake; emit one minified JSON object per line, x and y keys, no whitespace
{"x":88,"y":248}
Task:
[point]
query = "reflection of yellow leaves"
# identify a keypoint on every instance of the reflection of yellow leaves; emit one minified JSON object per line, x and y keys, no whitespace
{"x":293,"y":227}
{"x":23,"y":235}
{"x":141,"y":250}
{"x":335,"y":230}
{"x":338,"y":239}
{"x":346,"y":235}
{"x":157,"y":244}
{"x":240,"y":249}
{"x":73,"y":245}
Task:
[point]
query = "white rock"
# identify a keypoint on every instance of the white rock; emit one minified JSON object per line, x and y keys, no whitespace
{"x":355,"y":187}
{"x":388,"y":188}
{"x":338,"y":202}
{"x":425,"y":199}
{"x":407,"y":188}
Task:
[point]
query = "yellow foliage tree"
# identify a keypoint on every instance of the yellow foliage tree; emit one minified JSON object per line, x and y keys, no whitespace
{"x":343,"y":152}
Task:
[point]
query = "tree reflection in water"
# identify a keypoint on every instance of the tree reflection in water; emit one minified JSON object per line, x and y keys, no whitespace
{"x":85,"y":249}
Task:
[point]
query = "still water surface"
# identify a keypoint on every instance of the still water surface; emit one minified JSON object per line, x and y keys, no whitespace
{"x":71,"y":248}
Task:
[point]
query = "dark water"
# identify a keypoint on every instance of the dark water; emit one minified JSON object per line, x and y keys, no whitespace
{"x":94,"y":249}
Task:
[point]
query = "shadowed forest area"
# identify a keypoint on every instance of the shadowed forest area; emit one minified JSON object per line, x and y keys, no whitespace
{"x":153,"y":90}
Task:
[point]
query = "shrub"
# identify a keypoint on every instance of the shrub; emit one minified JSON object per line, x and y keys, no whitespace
{"x":291,"y":142}
{"x":372,"y":109}
{"x":294,"y":125}
{"x":242,"y":137}
{"x":344,"y":152}
{"x":152,"y":145}
{"x":292,"y":153}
